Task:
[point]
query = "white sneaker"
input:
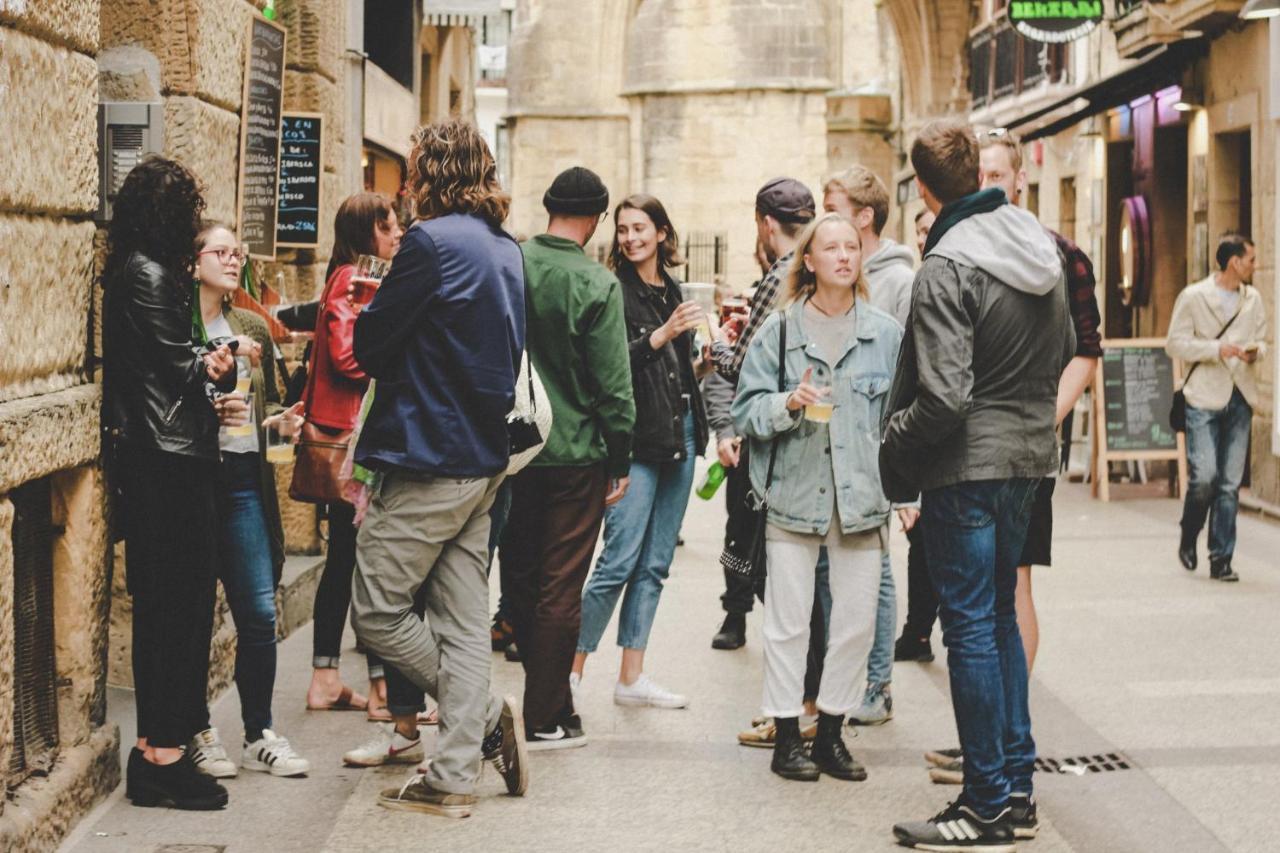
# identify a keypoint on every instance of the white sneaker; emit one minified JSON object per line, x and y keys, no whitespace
{"x":387,"y":746}
{"x":575,"y":681}
{"x":209,"y":756}
{"x":273,"y":754}
{"x":644,"y":691}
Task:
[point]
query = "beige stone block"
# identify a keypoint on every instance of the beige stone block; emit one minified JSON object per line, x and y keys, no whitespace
{"x":43,"y":810}
{"x":51,"y":94}
{"x":70,"y":23}
{"x":316,"y":34}
{"x":309,"y":92}
{"x":222,"y":648}
{"x":80,"y":597}
{"x":6,"y":630}
{"x":206,"y":139}
{"x":221,"y":31}
{"x":46,"y":279}
{"x":120,"y":623}
{"x":40,"y":435}
{"x":299,"y":519}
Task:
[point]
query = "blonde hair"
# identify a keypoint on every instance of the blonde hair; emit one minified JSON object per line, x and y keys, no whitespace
{"x":1003,"y":139}
{"x":801,"y":283}
{"x":864,"y":189}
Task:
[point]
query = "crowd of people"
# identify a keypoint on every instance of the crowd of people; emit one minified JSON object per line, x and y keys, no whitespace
{"x":498,"y":404}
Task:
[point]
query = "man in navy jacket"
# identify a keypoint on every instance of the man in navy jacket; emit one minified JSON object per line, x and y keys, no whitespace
{"x":443,"y":338}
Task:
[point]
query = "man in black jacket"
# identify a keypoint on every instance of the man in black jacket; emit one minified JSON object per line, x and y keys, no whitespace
{"x":972,"y":428}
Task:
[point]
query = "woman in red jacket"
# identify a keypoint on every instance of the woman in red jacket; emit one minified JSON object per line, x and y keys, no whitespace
{"x":366,"y":224}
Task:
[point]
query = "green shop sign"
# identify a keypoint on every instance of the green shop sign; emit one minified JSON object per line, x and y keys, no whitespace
{"x":1059,"y":21}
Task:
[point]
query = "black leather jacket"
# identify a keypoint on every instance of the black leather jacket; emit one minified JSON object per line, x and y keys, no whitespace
{"x":156,"y":393}
{"x":656,"y":375}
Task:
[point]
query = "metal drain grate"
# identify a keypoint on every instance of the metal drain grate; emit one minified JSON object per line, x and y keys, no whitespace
{"x":1082,"y":764}
{"x":191,"y":848}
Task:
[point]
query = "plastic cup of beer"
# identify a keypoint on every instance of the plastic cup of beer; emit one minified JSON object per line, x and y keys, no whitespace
{"x":244,"y":387}
{"x":820,"y":413}
{"x":279,"y":447}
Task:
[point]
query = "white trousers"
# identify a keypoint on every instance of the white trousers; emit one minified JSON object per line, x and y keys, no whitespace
{"x":788,"y":607}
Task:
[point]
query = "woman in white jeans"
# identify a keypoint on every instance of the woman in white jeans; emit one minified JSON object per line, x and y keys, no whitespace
{"x":838,"y":359}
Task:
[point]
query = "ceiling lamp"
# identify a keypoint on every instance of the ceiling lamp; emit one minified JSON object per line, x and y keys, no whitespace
{"x":1256,"y":10}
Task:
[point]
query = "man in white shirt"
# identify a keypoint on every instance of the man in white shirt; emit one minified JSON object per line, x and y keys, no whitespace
{"x":1221,"y":391}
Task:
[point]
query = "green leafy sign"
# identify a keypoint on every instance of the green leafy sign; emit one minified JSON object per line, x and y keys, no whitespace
{"x":1055,"y":20}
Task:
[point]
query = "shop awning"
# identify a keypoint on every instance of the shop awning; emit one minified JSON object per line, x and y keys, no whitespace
{"x":1163,"y":67}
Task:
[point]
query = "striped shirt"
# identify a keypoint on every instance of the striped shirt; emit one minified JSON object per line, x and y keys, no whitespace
{"x":728,"y":359}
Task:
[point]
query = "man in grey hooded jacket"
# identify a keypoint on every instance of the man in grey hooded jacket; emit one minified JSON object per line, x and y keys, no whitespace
{"x":972,"y":428}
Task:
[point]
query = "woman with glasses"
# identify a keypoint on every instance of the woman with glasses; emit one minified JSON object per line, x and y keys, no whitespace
{"x":365,"y":224}
{"x":251,"y":539}
{"x":836,"y":354}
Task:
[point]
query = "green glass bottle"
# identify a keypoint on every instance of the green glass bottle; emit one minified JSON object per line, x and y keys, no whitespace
{"x":269,"y":12}
{"x":715,"y":476}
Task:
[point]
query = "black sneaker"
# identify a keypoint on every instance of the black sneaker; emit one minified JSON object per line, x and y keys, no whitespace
{"x":505,"y":747}
{"x":1220,"y":570}
{"x":554,"y":736}
{"x":912,"y":648}
{"x":1022,"y":814}
{"x":958,"y":827}
{"x":179,"y":785}
{"x":512,"y":653}
{"x":732,"y":634}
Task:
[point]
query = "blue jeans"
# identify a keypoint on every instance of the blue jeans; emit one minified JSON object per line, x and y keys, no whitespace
{"x":248,"y":578}
{"x":974,"y":533}
{"x":640,"y":534}
{"x":880,"y":664}
{"x":1217,"y":446}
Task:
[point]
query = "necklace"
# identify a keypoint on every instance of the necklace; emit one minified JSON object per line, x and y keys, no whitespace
{"x":824,"y":312}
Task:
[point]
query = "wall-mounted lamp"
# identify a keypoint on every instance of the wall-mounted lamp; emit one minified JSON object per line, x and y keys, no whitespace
{"x":1187,"y":103}
{"x":1256,"y":10}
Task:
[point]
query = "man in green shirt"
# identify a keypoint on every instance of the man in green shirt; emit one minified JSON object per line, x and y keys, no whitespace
{"x":578,"y":343}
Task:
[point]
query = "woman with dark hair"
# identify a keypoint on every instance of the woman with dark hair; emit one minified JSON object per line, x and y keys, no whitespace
{"x":366,"y":224}
{"x":162,"y":452}
{"x":640,"y":530}
{"x":251,"y":539}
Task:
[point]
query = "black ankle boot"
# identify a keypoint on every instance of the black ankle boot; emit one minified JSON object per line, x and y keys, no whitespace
{"x":1220,"y":570}
{"x":789,"y":758}
{"x":178,"y":784}
{"x":1187,"y":551}
{"x":830,"y":753}
{"x":732,"y":634}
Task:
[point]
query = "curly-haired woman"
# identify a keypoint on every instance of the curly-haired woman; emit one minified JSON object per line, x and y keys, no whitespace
{"x":158,"y":388}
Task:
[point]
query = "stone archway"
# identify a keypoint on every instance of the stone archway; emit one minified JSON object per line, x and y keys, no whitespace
{"x":932,"y":36}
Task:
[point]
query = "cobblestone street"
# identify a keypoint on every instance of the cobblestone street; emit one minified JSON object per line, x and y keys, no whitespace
{"x":1137,"y":657}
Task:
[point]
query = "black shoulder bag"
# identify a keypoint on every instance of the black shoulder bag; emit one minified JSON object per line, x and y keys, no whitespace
{"x":1178,"y":409}
{"x":744,"y":554}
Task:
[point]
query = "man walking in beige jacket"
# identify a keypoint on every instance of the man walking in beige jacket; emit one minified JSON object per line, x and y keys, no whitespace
{"x":1218,"y":330}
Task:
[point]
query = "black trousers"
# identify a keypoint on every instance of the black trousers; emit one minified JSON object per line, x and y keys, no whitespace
{"x":171,"y":548}
{"x":333,"y":594}
{"x":739,"y":590}
{"x":922,"y":604}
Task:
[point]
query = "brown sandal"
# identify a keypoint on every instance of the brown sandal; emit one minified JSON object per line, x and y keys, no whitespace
{"x":346,"y":701}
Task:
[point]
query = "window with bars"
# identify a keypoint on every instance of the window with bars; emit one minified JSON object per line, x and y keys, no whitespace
{"x":35,"y":699}
{"x":705,"y":255}
{"x":1003,"y":63}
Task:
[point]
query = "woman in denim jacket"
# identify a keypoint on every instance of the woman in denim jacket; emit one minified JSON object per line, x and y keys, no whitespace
{"x":839,"y":359}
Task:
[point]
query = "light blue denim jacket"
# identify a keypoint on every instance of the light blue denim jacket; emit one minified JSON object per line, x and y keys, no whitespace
{"x":814,"y":459}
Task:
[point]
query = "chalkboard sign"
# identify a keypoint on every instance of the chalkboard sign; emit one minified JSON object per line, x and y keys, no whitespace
{"x":1138,"y":390}
{"x":301,"y":156}
{"x":260,"y":137}
{"x":1133,"y":390}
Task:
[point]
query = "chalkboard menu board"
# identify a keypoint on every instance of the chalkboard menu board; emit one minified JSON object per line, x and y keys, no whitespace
{"x":260,"y":137}
{"x":1137,"y":392}
{"x":298,"y":211}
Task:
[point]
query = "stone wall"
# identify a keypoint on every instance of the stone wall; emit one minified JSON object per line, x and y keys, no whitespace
{"x":48,"y":404}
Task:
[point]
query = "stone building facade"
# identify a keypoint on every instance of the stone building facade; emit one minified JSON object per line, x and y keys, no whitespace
{"x":58,"y":60}
{"x":698,"y":102}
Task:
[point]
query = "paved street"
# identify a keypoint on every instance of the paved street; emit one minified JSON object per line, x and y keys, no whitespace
{"x":1177,"y":673}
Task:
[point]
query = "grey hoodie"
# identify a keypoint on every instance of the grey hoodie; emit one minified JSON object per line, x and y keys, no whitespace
{"x":974,"y":393}
{"x":890,"y":271}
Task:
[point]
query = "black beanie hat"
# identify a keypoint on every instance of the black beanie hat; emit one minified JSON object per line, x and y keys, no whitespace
{"x":577,"y":192}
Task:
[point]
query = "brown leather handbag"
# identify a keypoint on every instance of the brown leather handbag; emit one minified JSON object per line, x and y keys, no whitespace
{"x":320,"y":451}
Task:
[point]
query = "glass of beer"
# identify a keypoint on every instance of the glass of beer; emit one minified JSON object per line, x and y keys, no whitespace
{"x":244,"y":387}
{"x":368,"y":275}
{"x":820,"y":413}
{"x":279,"y":447}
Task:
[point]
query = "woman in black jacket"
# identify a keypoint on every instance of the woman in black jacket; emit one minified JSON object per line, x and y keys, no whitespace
{"x":640,"y":531}
{"x":158,"y":388}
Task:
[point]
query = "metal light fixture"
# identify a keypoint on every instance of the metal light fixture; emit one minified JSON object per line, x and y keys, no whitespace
{"x":1256,"y":10}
